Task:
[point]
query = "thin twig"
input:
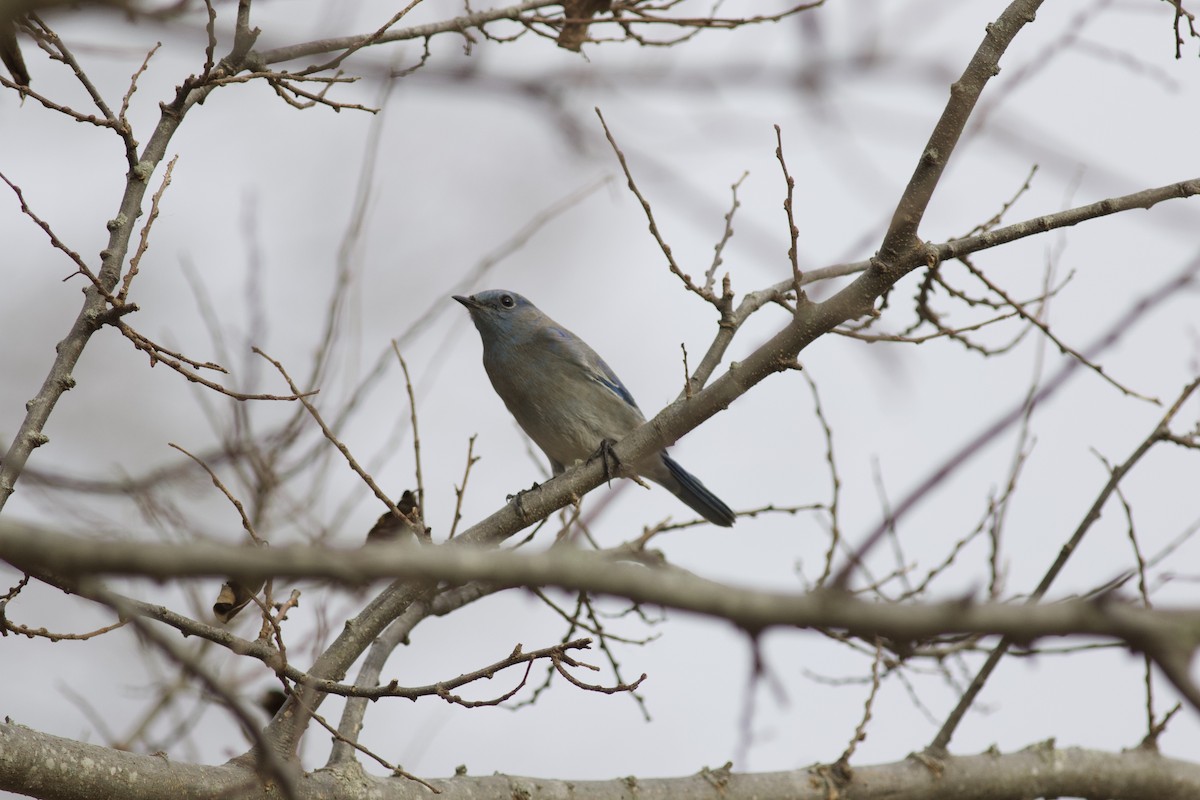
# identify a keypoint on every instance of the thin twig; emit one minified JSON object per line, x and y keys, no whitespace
{"x":412,"y":406}
{"x":938,"y":745}
{"x":144,"y":242}
{"x":125,"y":129}
{"x":80,"y":266}
{"x":7,"y":626}
{"x":365,"y":41}
{"x":395,"y":769}
{"x":860,"y":732}
{"x":726,"y":235}
{"x":835,"y":489}
{"x":247,"y":525}
{"x":345,"y":451}
{"x":1045,"y":329}
{"x":161,"y":355}
{"x":793,"y":231}
{"x":1136,"y":311}
{"x":210,"y":30}
{"x":461,"y":490}
{"x":705,"y":293}
{"x":63,"y":54}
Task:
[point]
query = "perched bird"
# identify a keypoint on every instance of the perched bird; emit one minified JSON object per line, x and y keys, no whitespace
{"x":566,"y":398}
{"x":388,"y":528}
{"x":575,"y":33}
{"x":234,"y":596}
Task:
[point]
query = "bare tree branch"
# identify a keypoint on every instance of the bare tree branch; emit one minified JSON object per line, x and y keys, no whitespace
{"x":34,"y":548}
{"x":1038,"y":771}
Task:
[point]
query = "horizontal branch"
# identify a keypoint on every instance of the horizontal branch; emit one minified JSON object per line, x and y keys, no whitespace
{"x":1145,"y":199}
{"x":457,"y":25}
{"x":34,"y":761}
{"x":957,"y":248}
{"x":28,"y":547}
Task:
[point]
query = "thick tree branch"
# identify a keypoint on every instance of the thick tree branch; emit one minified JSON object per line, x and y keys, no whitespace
{"x":754,"y":610}
{"x":91,"y":316}
{"x":901,"y":237}
{"x":64,"y":769}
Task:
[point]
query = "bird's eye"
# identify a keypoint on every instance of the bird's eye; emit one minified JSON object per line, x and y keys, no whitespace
{"x":507,"y":301}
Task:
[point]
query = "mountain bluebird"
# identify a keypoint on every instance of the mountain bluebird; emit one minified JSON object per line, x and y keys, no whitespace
{"x":565,"y":397}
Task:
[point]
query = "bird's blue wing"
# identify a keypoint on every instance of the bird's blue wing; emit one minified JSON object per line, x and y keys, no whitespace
{"x":576,"y":350}
{"x":609,"y":378}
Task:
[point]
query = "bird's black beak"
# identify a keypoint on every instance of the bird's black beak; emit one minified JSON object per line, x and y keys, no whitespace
{"x":470,"y":302}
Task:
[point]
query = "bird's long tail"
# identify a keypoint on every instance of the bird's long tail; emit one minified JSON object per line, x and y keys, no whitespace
{"x":688,"y":488}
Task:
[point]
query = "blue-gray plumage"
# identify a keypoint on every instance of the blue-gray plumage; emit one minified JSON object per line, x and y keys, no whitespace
{"x":565,"y":397}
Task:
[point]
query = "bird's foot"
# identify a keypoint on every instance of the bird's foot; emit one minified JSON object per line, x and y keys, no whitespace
{"x":516,"y":498}
{"x":612,"y":464}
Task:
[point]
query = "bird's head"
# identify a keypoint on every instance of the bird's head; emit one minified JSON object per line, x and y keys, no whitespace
{"x":499,"y":312}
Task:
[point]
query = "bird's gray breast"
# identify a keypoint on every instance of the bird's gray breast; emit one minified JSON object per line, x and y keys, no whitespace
{"x":558,"y":403}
